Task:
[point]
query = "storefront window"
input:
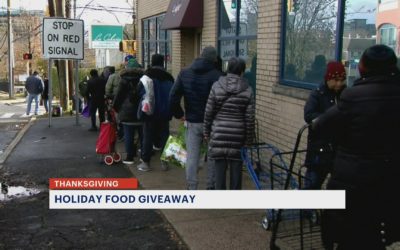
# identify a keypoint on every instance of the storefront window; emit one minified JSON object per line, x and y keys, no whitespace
{"x":318,"y":31}
{"x":156,"y":40}
{"x":387,"y":34}
{"x":238,"y":34}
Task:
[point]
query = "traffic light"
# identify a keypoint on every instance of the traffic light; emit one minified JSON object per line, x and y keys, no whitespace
{"x":233,"y":4}
{"x":27,"y":56}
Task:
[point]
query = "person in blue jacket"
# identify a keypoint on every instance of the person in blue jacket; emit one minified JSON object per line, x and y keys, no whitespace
{"x":156,"y":125}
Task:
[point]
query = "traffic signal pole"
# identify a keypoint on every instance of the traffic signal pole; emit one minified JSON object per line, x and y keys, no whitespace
{"x":10,"y":66}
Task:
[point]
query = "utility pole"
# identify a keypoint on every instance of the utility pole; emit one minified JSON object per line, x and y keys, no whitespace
{"x":10,"y":66}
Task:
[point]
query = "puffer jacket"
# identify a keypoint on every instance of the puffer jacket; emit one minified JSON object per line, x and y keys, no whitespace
{"x":194,"y":84}
{"x":229,"y":117}
{"x":366,"y":124}
{"x":126,"y":101}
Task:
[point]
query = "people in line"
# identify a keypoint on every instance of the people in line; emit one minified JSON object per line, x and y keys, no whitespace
{"x":365,"y":124}
{"x":34,"y":86}
{"x":156,"y":84}
{"x":320,"y":147}
{"x":126,"y":103}
{"x":194,"y":84}
{"x":95,"y":95}
{"x":229,"y":123}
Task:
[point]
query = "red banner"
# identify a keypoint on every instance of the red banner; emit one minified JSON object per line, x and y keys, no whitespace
{"x":92,"y":183}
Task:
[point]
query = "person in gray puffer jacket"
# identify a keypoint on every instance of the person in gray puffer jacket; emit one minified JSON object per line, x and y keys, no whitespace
{"x":229,"y":123}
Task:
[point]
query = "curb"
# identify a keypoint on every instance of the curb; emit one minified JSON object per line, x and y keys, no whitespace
{"x":15,"y":141}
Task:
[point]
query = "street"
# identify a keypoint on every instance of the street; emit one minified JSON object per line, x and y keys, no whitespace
{"x":27,"y":223}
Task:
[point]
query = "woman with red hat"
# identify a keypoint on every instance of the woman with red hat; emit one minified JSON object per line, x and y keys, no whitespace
{"x":366,"y":126}
{"x":319,"y":146}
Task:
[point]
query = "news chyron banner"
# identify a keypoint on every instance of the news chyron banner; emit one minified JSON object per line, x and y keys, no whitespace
{"x":122,"y":193}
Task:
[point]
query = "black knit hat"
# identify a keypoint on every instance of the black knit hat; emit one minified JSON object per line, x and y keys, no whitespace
{"x":378,"y":60}
{"x":157,"y":60}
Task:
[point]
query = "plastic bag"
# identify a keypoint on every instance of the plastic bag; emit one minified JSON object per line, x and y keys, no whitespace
{"x":86,"y":111}
{"x":175,"y":151}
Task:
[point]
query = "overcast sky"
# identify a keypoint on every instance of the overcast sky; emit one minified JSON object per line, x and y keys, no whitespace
{"x":120,"y":9}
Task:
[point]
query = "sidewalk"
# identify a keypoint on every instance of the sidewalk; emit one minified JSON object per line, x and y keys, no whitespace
{"x":199,"y":229}
{"x":207,"y":229}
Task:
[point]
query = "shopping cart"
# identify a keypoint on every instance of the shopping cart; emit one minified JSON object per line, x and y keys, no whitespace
{"x":106,"y":141}
{"x":268,"y":169}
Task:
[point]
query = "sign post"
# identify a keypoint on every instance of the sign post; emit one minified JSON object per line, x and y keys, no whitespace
{"x":63,"y":38}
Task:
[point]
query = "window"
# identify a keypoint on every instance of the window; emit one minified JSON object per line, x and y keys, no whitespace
{"x":155,"y":40}
{"x":318,"y":31}
{"x":387,"y":34}
{"x":238,"y":34}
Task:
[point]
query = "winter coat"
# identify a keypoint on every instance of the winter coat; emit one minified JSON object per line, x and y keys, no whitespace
{"x":366,"y":125}
{"x":320,"y":147}
{"x":162,"y":85}
{"x":34,"y":85}
{"x":96,"y":90}
{"x":45,"y":94}
{"x":194,"y":84}
{"x":112,"y":85}
{"x":229,"y":117}
{"x":126,"y":101}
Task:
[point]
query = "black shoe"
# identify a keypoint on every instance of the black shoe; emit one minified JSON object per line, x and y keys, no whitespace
{"x":128,"y":161}
{"x":93,"y":129}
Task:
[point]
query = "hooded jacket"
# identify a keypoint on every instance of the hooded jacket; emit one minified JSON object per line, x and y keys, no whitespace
{"x":126,"y":101}
{"x":229,"y":117}
{"x":194,"y":84}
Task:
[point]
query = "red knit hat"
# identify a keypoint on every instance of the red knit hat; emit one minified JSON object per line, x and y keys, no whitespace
{"x":335,"y":70}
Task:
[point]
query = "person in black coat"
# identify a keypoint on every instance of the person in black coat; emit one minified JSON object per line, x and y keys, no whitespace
{"x":320,"y":147}
{"x":229,"y":123}
{"x":95,"y":95}
{"x":45,"y":93}
{"x":365,"y":124}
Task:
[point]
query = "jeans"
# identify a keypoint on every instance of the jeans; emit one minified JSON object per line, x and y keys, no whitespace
{"x":194,"y":138}
{"x":155,"y":130}
{"x":129,"y":136}
{"x":235,"y":176}
{"x":93,"y":108}
{"x":30,"y":98}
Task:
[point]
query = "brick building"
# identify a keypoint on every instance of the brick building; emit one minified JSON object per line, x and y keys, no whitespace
{"x":286,"y":45}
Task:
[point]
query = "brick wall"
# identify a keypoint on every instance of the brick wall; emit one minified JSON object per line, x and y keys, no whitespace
{"x":183,"y":42}
{"x":210,"y":22}
{"x":279,"y":116}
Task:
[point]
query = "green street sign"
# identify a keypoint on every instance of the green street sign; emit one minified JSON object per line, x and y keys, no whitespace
{"x":106,"y":36}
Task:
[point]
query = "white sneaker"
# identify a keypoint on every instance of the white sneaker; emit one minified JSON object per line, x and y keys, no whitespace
{"x":144,"y":166}
{"x":128,"y":161}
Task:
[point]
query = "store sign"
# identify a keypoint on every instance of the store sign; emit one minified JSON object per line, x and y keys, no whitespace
{"x":63,"y":38}
{"x":106,"y":36}
{"x":228,"y":47}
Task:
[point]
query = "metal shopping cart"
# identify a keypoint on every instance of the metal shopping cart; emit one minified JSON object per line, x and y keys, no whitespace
{"x":267,"y":166}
